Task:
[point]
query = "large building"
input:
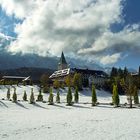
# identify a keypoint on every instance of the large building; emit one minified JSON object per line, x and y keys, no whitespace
{"x":97,"y":77}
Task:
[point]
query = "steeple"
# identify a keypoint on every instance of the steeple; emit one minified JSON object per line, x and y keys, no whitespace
{"x":62,"y":59}
{"x":62,"y":62}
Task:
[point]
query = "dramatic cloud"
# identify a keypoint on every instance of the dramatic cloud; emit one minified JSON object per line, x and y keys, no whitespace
{"x":78,"y":27}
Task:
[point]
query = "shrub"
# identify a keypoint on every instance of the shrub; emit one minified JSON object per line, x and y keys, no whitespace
{"x":76,"y":95}
{"x":115,"y":96}
{"x":40,"y":96}
{"x":50,"y":99}
{"x":14,"y":96}
{"x":24,"y":96}
{"x":32,"y":99}
{"x":8,"y":94}
{"x":94,"y":97}
{"x":69,"y":97}
{"x":58,"y":97}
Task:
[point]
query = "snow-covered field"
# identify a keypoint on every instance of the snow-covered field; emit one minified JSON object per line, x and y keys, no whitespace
{"x":24,"y":121}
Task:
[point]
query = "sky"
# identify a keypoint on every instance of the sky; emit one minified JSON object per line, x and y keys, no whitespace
{"x":105,"y":32}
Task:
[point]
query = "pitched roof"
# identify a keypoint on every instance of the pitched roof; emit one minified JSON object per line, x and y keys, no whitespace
{"x":90,"y":72}
{"x":62,"y":59}
{"x":60,"y":73}
{"x":16,"y":77}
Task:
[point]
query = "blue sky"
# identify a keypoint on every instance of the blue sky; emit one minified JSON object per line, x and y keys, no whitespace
{"x":7,"y":23}
{"x":129,"y":17}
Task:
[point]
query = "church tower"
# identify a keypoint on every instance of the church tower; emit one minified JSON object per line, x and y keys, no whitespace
{"x":62,"y":63}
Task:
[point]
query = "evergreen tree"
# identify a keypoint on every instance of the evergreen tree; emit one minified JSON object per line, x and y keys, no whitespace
{"x":24,"y":96}
{"x":125,"y":73}
{"x":136,"y":97}
{"x":68,"y":80}
{"x":32,"y":99}
{"x":8,"y":94}
{"x":56,"y":84}
{"x":77,"y":81}
{"x":120,"y":73}
{"x":24,"y":83}
{"x":69,"y":97}
{"x":115,"y":96}
{"x":94,"y":97}
{"x":58,"y":97}
{"x":14,"y":96}
{"x":40,"y":96}
{"x":114,"y":72}
{"x":76,"y":95}
{"x":50,"y":99}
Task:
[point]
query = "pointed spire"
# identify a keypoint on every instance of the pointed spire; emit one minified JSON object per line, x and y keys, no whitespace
{"x":62,"y":59}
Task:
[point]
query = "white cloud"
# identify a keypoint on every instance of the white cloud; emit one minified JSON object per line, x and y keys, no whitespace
{"x":78,"y":27}
{"x":110,"y":59}
{"x":20,"y":8}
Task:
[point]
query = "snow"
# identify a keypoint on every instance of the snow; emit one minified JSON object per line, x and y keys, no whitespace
{"x":24,"y":121}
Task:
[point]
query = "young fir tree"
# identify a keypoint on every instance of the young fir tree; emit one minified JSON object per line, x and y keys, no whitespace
{"x":69,"y":97}
{"x":94,"y":97}
{"x":50,"y":99}
{"x":76,"y":95}
{"x":8,"y":94}
{"x":58,"y":97}
{"x":24,"y":96}
{"x":136,"y":97}
{"x":14,"y":96}
{"x":40,"y":96}
{"x":115,"y":96}
{"x":32,"y":99}
{"x":24,"y":83}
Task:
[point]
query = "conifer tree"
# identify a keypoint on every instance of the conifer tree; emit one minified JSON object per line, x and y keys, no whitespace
{"x":76,"y":95}
{"x":77,"y":81}
{"x":14,"y":96}
{"x":69,"y":97}
{"x":58,"y":97}
{"x":40,"y":96}
{"x":50,"y":99}
{"x":24,"y":83}
{"x":68,"y":80}
{"x":24,"y":96}
{"x":94,"y":97}
{"x":32,"y":99}
{"x":56,"y":84}
{"x":8,"y":94}
{"x":125,"y":72}
{"x":136,"y":97}
{"x":115,"y":96}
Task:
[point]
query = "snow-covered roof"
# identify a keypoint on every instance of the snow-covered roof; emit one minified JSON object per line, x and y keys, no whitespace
{"x":16,"y":77}
{"x":60,"y":73}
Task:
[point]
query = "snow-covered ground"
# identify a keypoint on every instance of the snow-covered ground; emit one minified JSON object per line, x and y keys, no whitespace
{"x":40,"y":121}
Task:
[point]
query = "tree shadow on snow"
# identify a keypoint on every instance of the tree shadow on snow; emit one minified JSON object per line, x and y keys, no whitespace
{"x":60,"y":106}
{"x":81,"y":106}
{"x":21,"y":105}
{"x":3,"y":104}
{"x":104,"y":106}
{"x":37,"y":105}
